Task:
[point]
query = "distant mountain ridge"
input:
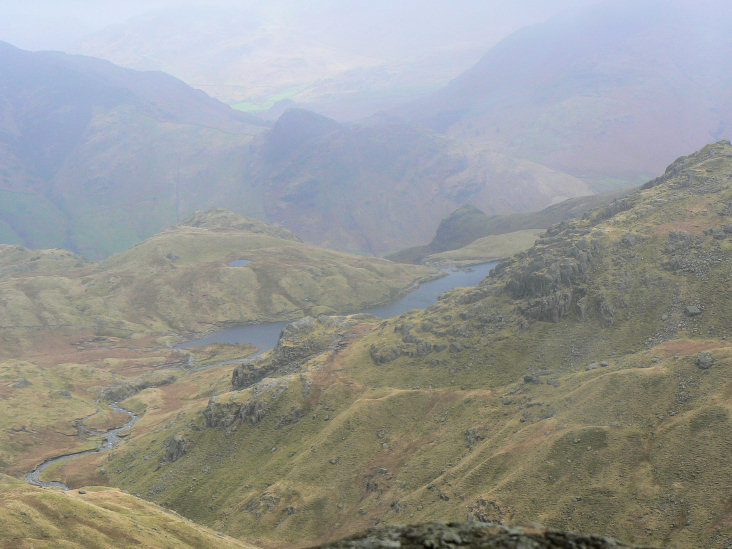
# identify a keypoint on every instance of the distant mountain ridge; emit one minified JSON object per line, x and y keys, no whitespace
{"x":607,"y":92}
{"x":95,"y":158}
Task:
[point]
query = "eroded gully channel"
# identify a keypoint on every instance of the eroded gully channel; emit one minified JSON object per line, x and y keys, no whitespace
{"x":265,"y":336}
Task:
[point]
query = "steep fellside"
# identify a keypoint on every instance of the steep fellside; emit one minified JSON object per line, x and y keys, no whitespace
{"x":96,"y":517}
{"x":94,"y":157}
{"x":585,"y":385}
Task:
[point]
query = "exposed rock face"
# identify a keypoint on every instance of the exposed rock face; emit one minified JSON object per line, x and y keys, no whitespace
{"x":384,"y":355}
{"x":230,"y":415}
{"x":120,"y":392}
{"x":471,"y":534}
{"x":549,"y":278}
{"x":175,"y":447}
{"x":299,"y":341}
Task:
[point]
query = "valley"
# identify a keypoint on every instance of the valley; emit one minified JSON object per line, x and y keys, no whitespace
{"x":414,"y":275}
{"x":584,"y":384}
{"x":512,"y":134}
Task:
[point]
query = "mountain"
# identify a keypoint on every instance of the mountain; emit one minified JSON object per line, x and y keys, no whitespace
{"x":467,"y":224}
{"x":376,"y":187}
{"x":583,"y":385}
{"x":607,"y":93}
{"x":93,"y":156}
{"x":256,"y":56}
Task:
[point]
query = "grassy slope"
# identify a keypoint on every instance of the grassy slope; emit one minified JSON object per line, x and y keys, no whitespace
{"x":638,"y":448}
{"x":81,"y":327}
{"x":468,"y":224}
{"x":180,"y":280}
{"x":486,"y":248}
{"x":103,"y":517}
{"x":31,"y":219}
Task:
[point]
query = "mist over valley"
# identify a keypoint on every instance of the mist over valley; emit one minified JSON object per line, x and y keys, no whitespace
{"x":352,"y":274}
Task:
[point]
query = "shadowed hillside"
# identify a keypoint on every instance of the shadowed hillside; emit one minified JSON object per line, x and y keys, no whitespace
{"x":95,"y":158}
{"x":607,"y":93}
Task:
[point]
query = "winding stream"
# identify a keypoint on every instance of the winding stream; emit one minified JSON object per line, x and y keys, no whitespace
{"x":265,"y":337}
{"x":111,"y":439}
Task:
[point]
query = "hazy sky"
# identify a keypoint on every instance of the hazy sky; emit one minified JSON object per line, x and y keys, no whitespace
{"x":57,"y":24}
{"x":343,"y":58}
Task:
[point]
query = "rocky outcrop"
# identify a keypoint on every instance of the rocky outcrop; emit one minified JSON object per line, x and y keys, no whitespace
{"x":229,"y":416}
{"x":118,"y":393}
{"x":484,"y":535}
{"x":385,"y":354}
{"x":546,"y":271}
{"x":299,"y":341}
{"x":704,"y":360}
{"x":548,"y":280}
{"x":174,"y":448}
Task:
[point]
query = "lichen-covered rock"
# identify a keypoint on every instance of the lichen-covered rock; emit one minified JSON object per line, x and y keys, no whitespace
{"x":704,"y":360}
{"x":478,"y":535}
{"x":230,"y":415}
{"x":383,"y":355}
{"x":174,"y":448}
{"x":550,"y":308}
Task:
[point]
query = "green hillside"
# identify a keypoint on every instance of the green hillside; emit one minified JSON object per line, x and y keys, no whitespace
{"x":585,"y":385}
{"x":181,"y":281}
{"x":100,"y":517}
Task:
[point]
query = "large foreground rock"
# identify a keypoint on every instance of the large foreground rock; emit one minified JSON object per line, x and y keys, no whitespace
{"x":472,"y":534}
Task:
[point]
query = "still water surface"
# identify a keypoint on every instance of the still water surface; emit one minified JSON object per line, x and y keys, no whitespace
{"x":265,"y":336}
